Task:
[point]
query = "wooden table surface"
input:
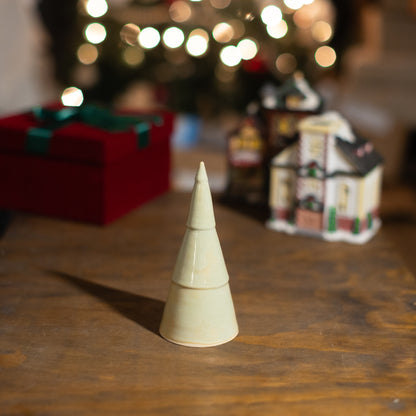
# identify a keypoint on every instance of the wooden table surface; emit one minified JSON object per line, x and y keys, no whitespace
{"x":325,"y":328}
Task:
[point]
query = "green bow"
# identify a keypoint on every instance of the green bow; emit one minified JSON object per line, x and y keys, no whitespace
{"x":38,"y":138}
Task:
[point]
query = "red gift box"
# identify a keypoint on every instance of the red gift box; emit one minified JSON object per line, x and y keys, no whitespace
{"x":85,"y":173}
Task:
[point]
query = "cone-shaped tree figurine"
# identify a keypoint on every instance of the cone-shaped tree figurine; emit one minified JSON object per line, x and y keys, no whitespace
{"x":199,"y":311}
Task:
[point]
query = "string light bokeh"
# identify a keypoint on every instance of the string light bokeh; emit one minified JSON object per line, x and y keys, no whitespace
{"x":95,"y":33}
{"x":272,"y":33}
{"x":72,"y":97}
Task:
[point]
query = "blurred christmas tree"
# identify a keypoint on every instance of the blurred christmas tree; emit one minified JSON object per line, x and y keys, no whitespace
{"x":215,"y":52}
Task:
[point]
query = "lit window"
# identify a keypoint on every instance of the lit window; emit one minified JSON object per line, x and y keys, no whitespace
{"x":316,"y":147}
{"x":343,"y":194}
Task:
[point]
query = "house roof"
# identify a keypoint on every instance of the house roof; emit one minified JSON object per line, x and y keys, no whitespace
{"x":330,"y":122}
{"x":287,"y":157}
{"x":310,"y":100}
{"x":360,"y":154}
{"x":290,"y":87}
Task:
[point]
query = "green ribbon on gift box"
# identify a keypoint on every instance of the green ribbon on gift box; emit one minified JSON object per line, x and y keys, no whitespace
{"x":38,"y":138}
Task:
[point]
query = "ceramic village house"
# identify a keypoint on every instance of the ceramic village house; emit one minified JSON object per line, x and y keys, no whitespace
{"x":285,"y":108}
{"x":245,"y":155}
{"x":327,"y":183}
{"x":254,"y":143}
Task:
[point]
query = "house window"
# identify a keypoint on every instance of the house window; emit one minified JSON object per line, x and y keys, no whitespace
{"x":293,"y":101}
{"x":284,"y":126}
{"x":284,"y":191}
{"x":312,"y":148}
{"x":343,"y":197}
{"x":310,"y":186}
{"x":316,"y":147}
{"x":313,"y":185}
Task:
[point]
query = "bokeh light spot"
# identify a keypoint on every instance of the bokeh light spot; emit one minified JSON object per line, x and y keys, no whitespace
{"x":173,"y":37}
{"x":95,"y":33}
{"x":197,"y":43}
{"x":220,"y":4}
{"x":129,"y":33}
{"x":230,"y":55}
{"x":149,"y":37}
{"x":302,"y":19}
{"x":72,"y":97}
{"x":87,"y":53}
{"x":133,"y":56}
{"x":277,"y":31}
{"x":286,"y":63}
{"x":223,"y":32}
{"x":180,"y":11}
{"x":96,"y":8}
{"x":294,"y":4}
{"x":271,"y":15}
{"x":321,"y":31}
{"x":248,"y":48}
{"x":325,"y":56}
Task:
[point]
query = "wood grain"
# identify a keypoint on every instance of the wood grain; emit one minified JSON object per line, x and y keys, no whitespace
{"x":325,"y":328}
